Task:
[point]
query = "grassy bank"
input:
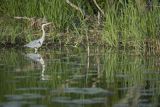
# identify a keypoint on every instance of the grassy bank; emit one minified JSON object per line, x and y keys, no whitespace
{"x":133,"y":24}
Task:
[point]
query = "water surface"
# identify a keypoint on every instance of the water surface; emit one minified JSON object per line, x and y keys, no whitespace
{"x":75,"y":77}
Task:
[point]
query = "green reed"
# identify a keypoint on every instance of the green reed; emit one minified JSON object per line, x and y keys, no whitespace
{"x":128,"y":25}
{"x":56,"y":11}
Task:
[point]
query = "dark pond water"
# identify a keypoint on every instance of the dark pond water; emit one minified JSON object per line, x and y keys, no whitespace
{"x":72,"y":77}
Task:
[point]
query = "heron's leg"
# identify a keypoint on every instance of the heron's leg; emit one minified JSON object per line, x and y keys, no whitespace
{"x":35,"y":50}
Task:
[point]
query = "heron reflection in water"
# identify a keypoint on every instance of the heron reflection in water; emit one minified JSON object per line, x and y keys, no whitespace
{"x":38,"y":43}
{"x":38,"y":58}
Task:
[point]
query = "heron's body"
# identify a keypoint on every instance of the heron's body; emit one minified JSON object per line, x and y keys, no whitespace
{"x":37,"y":43}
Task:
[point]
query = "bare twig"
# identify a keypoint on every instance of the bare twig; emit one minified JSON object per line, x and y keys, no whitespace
{"x":33,"y":21}
{"x":18,"y":17}
{"x":76,"y":7}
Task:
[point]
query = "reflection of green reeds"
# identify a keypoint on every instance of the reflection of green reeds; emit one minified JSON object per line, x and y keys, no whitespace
{"x":120,"y":72}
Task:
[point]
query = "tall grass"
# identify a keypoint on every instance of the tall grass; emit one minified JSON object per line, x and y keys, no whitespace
{"x":56,"y":11}
{"x":128,"y":25}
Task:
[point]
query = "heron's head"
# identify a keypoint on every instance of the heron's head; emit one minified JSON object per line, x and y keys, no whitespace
{"x":45,"y":24}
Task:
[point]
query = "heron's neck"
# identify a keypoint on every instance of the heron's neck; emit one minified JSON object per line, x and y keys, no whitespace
{"x":43,"y":33}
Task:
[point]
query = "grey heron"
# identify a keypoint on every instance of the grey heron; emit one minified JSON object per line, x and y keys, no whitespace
{"x":37,"y":43}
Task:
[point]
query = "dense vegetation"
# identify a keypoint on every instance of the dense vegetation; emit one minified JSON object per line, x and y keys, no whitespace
{"x":124,"y":23}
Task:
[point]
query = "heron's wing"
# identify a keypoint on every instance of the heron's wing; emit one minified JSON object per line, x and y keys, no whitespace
{"x":34,"y":44}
